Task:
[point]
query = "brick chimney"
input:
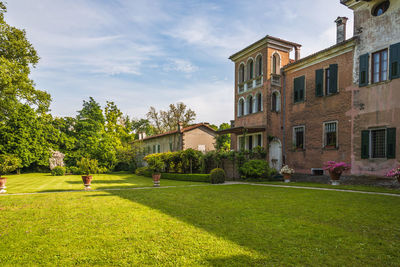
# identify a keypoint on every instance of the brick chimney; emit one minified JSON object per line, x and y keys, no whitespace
{"x":296,"y":53}
{"x":341,"y":29}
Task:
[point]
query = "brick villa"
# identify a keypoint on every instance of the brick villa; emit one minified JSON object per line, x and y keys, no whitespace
{"x":341,"y":103}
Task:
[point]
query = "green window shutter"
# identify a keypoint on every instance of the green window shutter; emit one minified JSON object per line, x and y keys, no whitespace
{"x":301,"y":88}
{"x":391,"y":143}
{"x":319,"y":81}
{"x":333,"y":80}
{"x":364,"y":66}
{"x":296,"y":90}
{"x":365,"y":144}
{"x":394,"y":61}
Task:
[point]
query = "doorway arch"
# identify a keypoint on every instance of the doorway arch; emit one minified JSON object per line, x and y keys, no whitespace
{"x":275,"y":154}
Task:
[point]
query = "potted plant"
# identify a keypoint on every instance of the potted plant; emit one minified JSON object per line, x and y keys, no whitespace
{"x":287,"y":173}
{"x":156,"y":165}
{"x":87,"y":166}
{"x":335,"y":170}
{"x":395,"y":173}
{"x":8,"y":163}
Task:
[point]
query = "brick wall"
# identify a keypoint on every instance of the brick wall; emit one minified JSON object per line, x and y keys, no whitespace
{"x":314,"y":111}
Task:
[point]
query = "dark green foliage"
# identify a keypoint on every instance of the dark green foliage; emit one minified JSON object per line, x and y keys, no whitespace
{"x":255,"y":169}
{"x":217,"y":176}
{"x":58,"y":171}
{"x":73,"y":170}
{"x":186,"y":177}
{"x":223,"y":141}
{"x":144,"y":171}
{"x":156,"y":165}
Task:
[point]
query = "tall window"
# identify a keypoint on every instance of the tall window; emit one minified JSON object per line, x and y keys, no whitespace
{"x":298,"y":138}
{"x":250,"y":138}
{"x":250,"y":104}
{"x":250,"y":69}
{"x":241,"y":143}
{"x":241,"y":107}
{"x":259,"y":102}
{"x":241,"y":73}
{"x":259,"y":139}
{"x":378,"y":143}
{"x":259,"y":65}
{"x":275,"y":63}
{"x":330,"y":134}
{"x":327,"y":81}
{"x":298,"y":88}
{"x":379,"y":66}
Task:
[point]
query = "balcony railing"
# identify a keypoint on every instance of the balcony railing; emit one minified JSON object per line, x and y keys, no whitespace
{"x":241,"y":88}
{"x":258,"y":81}
{"x":250,"y":84}
{"x":276,"y":79}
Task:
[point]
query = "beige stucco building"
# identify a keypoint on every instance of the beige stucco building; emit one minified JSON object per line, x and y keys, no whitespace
{"x":198,"y":136}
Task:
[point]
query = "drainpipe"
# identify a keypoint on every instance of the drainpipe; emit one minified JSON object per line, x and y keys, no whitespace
{"x":283,"y":118}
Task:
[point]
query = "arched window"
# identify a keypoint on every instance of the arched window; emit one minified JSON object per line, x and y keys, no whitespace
{"x":241,"y":73}
{"x":275,"y":63}
{"x":258,"y":65}
{"x":241,"y":107}
{"x":276,"y":102}
{"x":250,"y":105}
{"x":250,"y":69}
{"x":259,"y":102}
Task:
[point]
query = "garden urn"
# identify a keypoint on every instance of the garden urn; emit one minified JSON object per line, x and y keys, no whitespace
{"x":156,"y":179}
{"x":3,"y":181}
{"x":335,"y":177}
{"x":286,"y":177}
{"x":87,"y":180}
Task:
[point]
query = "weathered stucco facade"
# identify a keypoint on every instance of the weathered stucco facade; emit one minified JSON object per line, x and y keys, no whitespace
{"x":376,"y":105}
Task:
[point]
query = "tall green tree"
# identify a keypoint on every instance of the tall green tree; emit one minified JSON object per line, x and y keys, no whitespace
{"x":17,"y":56}
{"x":223,"y":141}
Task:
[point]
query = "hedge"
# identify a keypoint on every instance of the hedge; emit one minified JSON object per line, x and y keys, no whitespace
{"x":186,"y":177}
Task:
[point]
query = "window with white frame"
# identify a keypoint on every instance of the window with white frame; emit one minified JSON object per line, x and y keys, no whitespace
{"x":250,"y":69}
{"x":249,"y":104}
{"x":241,"y":73}
{"x":241,"y":107}
{"x":276,"y":63}
{"x":259,"y":102}
{"x":259,"y":65}
{"x":276,"y":102}
{"x":298,"y":137}
{"x":330,"y":134}
{"x":378,"y":143}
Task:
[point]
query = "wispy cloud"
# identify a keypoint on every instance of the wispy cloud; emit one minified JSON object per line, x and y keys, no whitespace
{"x":153,"y":53}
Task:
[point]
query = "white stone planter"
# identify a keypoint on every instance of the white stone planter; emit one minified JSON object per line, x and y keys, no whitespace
{"x":335,"y":182}
{"x":287,"y":180}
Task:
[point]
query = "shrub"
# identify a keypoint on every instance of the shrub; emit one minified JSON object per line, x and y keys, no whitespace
{"x":87,"y":166}
{"x":8,"y":163}
{"x":156,"y":165}
{"x":73,"y":170}
{"x":58,"y":171}
{"x":217,"y":176}
{"x":186,"y":177}
{"x":256,"y":169}
{"x":143,"y":171}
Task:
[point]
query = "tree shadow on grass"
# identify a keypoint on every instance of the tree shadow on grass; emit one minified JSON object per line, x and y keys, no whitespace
{"x":94,"y":182}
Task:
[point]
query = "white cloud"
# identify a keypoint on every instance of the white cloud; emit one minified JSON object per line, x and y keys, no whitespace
{"x":180,"y":65}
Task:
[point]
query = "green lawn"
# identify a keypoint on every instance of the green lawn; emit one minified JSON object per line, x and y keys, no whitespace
{"x":345,"y":187}
{"x":230,"y":225}
{"x":43,"y":182}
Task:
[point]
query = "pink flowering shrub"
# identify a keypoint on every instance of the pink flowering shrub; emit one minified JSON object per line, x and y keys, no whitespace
{"x":394,"y":172}
{"x":336,"y":167}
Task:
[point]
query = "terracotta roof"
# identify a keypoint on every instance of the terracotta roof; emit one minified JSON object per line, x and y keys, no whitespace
{"x":243,"y":129}
{"x":186,"y":129}
{"x":265,"y":38}
{"x":316,"y":53}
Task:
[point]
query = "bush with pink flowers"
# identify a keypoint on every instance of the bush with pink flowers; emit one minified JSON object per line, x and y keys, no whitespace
{"x":336,"y":167}
{"x":395,"y":172}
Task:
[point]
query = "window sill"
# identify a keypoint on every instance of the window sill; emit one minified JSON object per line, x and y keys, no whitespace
{"x":298,"y":150}
{"x":375,"y":84}
{"x":330,"y":148}
{"x":249,"y":114}
{"x":299,"y":102}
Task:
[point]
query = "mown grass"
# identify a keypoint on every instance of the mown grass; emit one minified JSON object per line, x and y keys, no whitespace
{"x":231,"y":225}
{"x":345,"y":187}
{"x":44,"y":182}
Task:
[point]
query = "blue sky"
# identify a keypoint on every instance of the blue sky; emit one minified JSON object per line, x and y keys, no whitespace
{"x":153,"y":53}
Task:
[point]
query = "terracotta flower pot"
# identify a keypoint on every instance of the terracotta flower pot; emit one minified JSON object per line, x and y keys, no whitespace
{"x":287,"y":177}
{"x":156,"y":179}
{"x":335,"y":177}
{"x":3,"y":181}
{"x":87,"y":181}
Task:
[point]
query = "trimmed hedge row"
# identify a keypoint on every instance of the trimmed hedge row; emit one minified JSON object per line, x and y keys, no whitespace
{"x":186,"y":177}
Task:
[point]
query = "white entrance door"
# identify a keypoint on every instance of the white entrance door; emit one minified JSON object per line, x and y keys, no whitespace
{"x":275,"y":154}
